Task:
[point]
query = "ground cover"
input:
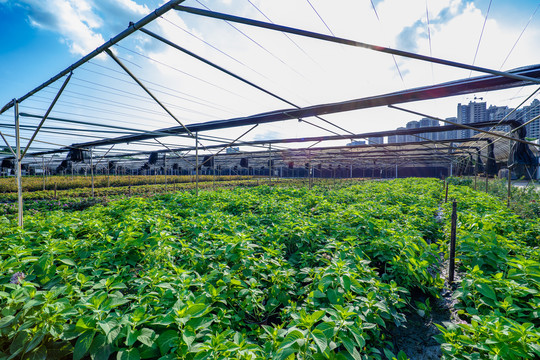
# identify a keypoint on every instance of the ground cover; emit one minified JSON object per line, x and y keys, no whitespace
{"x":266,"y":272}
{"x":64,"y":182}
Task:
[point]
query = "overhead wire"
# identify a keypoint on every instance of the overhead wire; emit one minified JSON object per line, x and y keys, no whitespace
{"x":481,"y":34}
{"x":200,"y":100}
{"x":393,"y":56}
{"x":320,"y":17}
{"x":183,"y":72}
{"x":258,"y":44}
{"x":215,"y":48}
{"x":429,"y":39}
{"x":520,"y":35}
{"x":285,"y":34}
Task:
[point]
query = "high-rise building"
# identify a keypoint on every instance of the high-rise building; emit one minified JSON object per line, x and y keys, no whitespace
{"x":401,"y":138}
{"x":529,"y":113}
{"x":472,"y":113}
{"x":498,"y":113}
{"x":426,"y":122}
{"x":412,"y":125}
{"x":356,"y":142}
{"x":375,"y":140}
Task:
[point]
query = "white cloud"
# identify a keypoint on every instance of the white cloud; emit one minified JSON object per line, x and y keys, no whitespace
{"x":82,"y":24}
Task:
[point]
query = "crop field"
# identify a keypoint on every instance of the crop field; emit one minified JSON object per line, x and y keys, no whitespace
{"x":273,"y":272}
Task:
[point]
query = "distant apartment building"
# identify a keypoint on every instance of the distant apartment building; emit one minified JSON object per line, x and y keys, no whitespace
{"x":475,"y":112}
{"x":499,"y":113}
{"x":401,"y":138}
{"x":426,"y":122}
{"x":412,"y":125}
{"x":527,"y":114}
{"x":356,"y":143}
{"x":392,"y":139}
{"x":375,"y":140}
{"x":468,"y":114}
{"x":449,"y":135}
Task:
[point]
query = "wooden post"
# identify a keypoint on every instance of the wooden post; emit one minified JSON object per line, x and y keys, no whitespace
{"x":509,"y":188}
{"x":452,"y":258}
{"x":446,"y":196}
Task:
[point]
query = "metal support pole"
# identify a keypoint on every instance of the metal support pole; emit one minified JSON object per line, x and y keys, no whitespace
{"x":165,"y":168}
{"x":108,"y":175}
{"x":270,"y":162}
{"x":19,"y":168}
{"x":509,"y":195}
{"x":92,"y":169}
{"x":475,"y":175}
{"x":43,"y":167}
{"x":196,"y":164}
{"x":446,"y":196}
{"x":487,"y":182}
{"x":452,"y":257}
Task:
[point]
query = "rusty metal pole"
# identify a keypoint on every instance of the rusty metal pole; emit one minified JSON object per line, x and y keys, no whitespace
{"x":452,"y":257}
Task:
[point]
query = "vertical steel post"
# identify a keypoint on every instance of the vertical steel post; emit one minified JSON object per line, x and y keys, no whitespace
{"x":196,"y":164}
{"x":270,"y":163}
{"x":475,"y":180}
{"x":19,"y":168}
{"x":452,"y":257}
{"x":92,"y":169}
{"x":509,"y":195}
{"x":487,"y":181}
{"x":43,"y":167}
{"x":446,"y":196}
{"x":108,"y":175}
{"x":165,"y":168}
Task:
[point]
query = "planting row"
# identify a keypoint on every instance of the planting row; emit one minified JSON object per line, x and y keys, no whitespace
{"x":244,"y":273}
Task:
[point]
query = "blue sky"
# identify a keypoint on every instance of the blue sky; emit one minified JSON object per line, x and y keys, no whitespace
{"x":39,"y":39}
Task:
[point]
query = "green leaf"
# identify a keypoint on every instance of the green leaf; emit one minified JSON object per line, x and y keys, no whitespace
{"x":40,"y":353}
{"x":147,"y":337}
{"x":5,"y":321}
{"x":487,"y":291}
{"x":196,"y":309}
{"x":291,"y":338}
{"x":348,"y":343}
{"x":83,"y":345}
{"x":67,"y":261}
{"x":131,"y":354}
{"x":320,"y":339}
{"x":131,"y":336}
{"x":167,"y":340}
{"x":285,"y":353}
{"x":100,"y":350}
